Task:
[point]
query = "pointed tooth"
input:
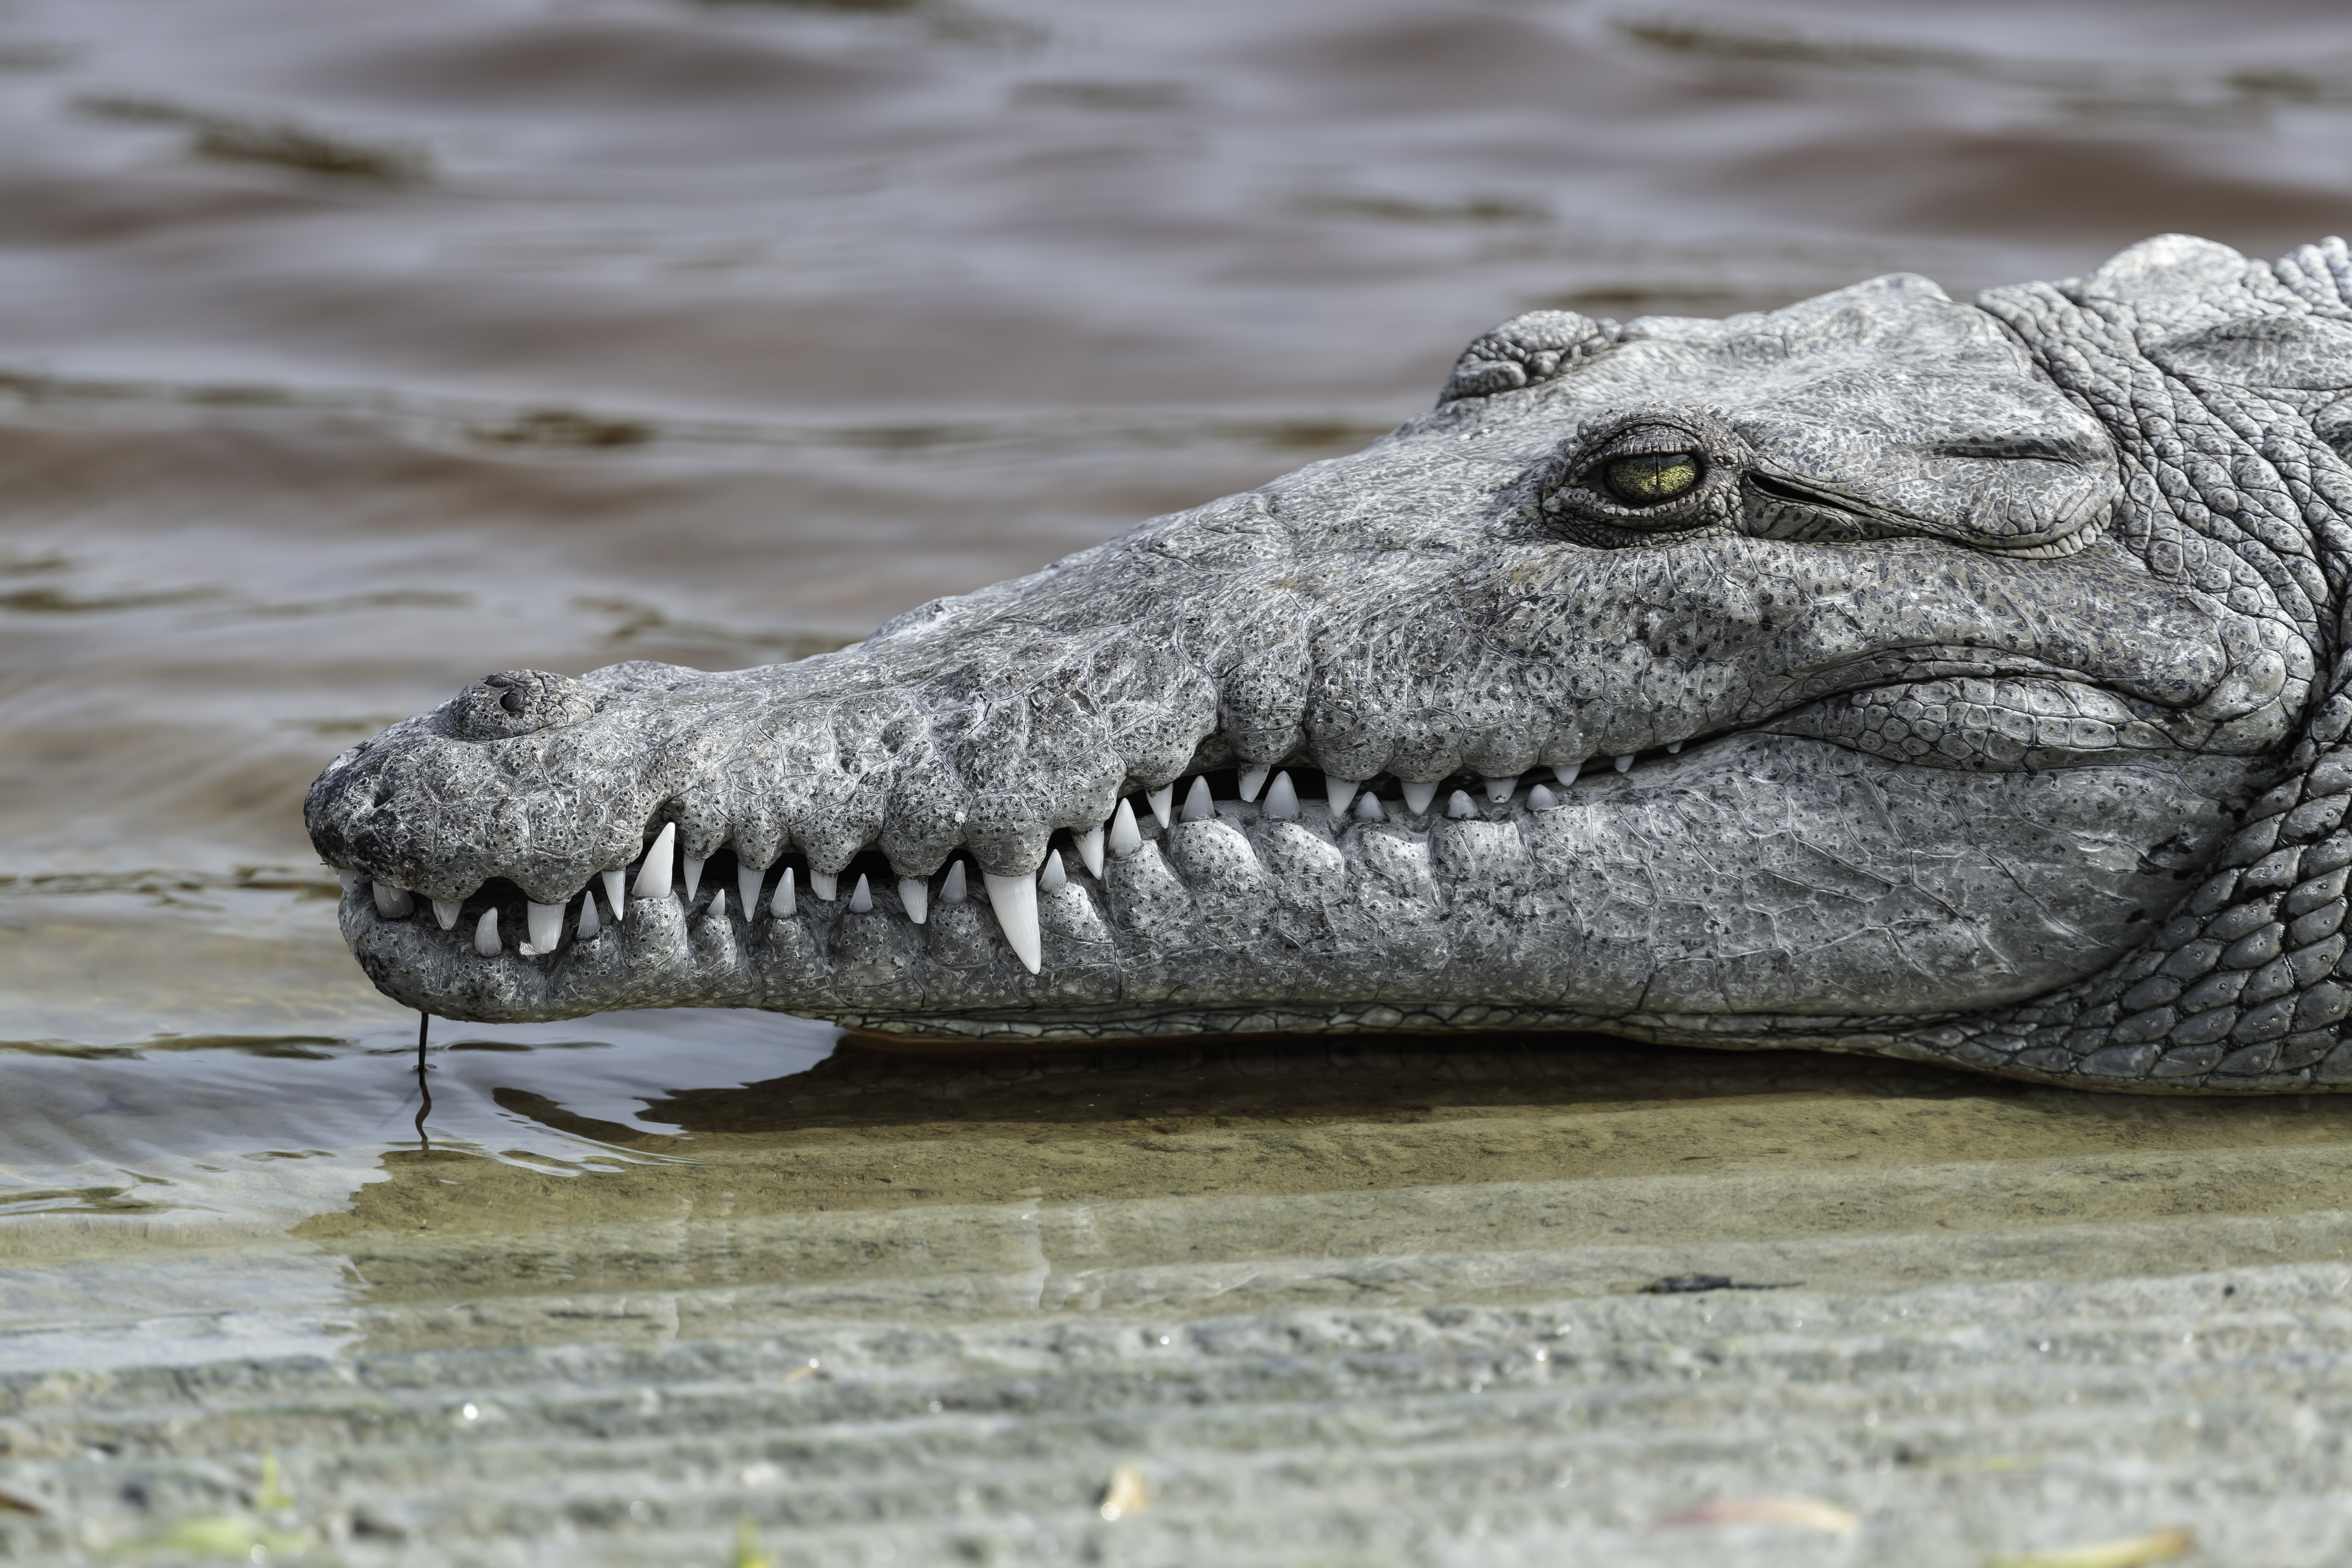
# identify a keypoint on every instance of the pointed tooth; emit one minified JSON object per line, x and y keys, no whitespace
{"x":1338,"y":792}
{"x":825,"y":885}
{"x":1162,"y":801}
{"x":693,"y":874}
{"x":1624,"y":762}
{"x":1459,"y":806}
{"x":1052,"y":877}
{"x":781,"y":905}
{"x":1253,"y":781}
{"x":546,"y":925}
{"x":653,"y":879}
{"x":616,"y":894}
{"x":1566,"y":773}
{"x":350,"y":879}
{"x":446,"y":912}
{"x":747,"y":890}
{"x":1199,"y":805}
{"x":1499,"y":790}
{"x":1417,"y":796}
{"x":861,"y":897}
{"x":1282,"y":799}
{"x":1541,"y":799}
{"x":1673,"y":747}
{"x":951,"y":889}
{"x":1125,"y":838}
{"x":1090,"y":851}
{"x":915,"y":895}
{"x":486,"y":934}
{"x":1015,"y":899}
{"x":589,"y":925}
{"x":1368,"y":808}
{"x":718,"y":905}
{"x":391,"y":903}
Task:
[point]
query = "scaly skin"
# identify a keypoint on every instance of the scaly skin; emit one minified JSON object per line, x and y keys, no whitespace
{"x":1977,"y":669}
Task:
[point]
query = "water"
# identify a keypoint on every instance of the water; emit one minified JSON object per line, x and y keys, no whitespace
{"x":349,"y":352}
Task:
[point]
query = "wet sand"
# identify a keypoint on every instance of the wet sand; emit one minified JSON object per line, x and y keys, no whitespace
{"x":349,"y":353}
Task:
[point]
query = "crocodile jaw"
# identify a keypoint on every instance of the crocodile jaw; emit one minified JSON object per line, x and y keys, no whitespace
{"x":1938,"y":734}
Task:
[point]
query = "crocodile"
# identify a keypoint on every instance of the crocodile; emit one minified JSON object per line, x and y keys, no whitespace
{"x":1955,"y":680}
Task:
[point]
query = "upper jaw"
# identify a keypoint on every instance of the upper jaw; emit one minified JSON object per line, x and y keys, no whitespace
{"x":903,"y":747}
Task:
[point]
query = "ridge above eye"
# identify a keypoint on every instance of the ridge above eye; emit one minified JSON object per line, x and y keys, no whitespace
{"x":1649,"y":478}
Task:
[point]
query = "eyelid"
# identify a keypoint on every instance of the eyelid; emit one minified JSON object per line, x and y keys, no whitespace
{"x":1647,"y":441}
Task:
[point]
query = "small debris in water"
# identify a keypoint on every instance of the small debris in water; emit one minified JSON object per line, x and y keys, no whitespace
{"x":222,"y":1535}
{"x":271,"y":1496}
{"x":746,"y":1548}
{"x":1125,"y":1493}
{"x":1691,"y":1284}
{"x":1967,"y":1464}
{"x":2160,"y":1547}
{"x":1800,"y":1512}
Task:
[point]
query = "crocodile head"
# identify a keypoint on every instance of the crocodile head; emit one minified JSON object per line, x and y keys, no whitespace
{"x":1884,"y":672}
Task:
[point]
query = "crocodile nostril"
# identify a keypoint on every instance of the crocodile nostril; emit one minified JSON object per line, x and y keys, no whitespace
{"x":518,"y":702}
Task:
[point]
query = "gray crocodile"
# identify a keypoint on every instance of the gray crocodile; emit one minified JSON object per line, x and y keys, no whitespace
{"x":1955,"y":681}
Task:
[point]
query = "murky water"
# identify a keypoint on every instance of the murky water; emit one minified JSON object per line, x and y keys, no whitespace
{"x":350,"y":351}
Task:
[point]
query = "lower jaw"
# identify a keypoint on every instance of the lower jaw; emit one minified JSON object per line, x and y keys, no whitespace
{"x":1688,"y":900}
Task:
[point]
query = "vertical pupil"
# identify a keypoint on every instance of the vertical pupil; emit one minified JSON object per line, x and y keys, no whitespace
{"x":1652,"y":477}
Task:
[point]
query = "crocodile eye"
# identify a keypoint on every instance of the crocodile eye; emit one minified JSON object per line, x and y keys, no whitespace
{"x":1651,"y":477}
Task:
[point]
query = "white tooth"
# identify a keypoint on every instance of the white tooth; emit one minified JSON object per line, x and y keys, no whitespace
{"x":1541,"y":799}
{"x":915,"y":894}
{"x":486,"y":934}
{"x":718,"y":904}
{"x":825,"y":885}
{"x":616,"y":894}
{"x":747,"y":888}
{"x":951,"y":890}
{"x":1339,"y":791}
{"x":653,"y":879}
{"x":1054,"y":878}
{"x":350,"y":879}
{"x":1368,"y":809}
{"x":1566,"y":773}
{"x":1090,"y":851}
{"x":1164,"y":800}
{"x":1499,"y":790}
{"x":1199,"y":805}
{"x":1125,"y":837}
{"x":1015,"y":899}
{"x":546,"y":923}
{"x":1253,"y":781}
{"x":392,"y":903}
{"x":693,"y":874}
{"x":781,"y":905}
{"x":446,"y":912}
{"x":861,"y":897}
{"x":1282,"y":799}
{"x":1417,"y":796}
{"x":1673,"y":747}
{"x":1624,"y":762}
{"x":1459,"y":805}
{"x":589,"y":924}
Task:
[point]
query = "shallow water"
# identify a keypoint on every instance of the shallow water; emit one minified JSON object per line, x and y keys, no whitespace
{"x":349,"y":352}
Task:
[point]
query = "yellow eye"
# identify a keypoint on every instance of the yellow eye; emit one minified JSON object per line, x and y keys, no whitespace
{"x":1651,"y":477}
